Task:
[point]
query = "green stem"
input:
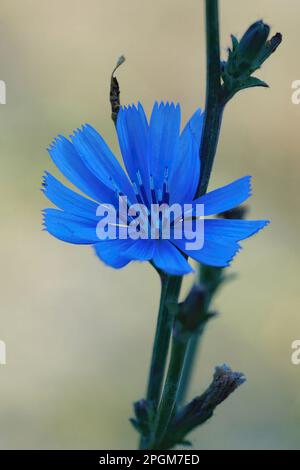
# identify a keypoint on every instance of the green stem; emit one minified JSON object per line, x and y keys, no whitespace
{"x":210,"y":137}
{"x":170,"y":289}
{"x":211,"y":132}
{"x":214,"y":105}
{"x":168,"y":402}
{"x":210,"y":278}
{"x":192,"y":353}
{"x":169,"y":293}
{"x":189,"y":367}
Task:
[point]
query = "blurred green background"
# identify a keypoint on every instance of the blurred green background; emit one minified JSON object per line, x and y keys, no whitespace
{"x":78,"y":334}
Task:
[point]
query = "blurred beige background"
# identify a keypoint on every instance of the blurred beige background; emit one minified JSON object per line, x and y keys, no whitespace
{"x":78,"y":334}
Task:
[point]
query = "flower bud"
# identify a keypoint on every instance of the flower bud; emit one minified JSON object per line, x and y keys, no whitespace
{"x":253,"y":42}
{"x":246,"y":56}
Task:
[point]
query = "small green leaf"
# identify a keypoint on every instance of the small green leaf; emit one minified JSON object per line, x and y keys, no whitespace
{"x":253,"y":82}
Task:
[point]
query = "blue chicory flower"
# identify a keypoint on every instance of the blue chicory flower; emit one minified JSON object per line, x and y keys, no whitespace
{"x":162,"y":165}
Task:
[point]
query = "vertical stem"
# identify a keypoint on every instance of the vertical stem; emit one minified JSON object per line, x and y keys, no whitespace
{"x":170,"y":289}
{"x":210,"y":137}
{"x":214,"y":106}
{"x":169,"y":293}
{"x":210,"y":278}
{"x":169,"y":397}
{"x":191,"y":355}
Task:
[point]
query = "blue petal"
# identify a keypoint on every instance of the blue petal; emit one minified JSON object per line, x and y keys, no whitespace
{"x":68,"y":161}
{"x":221,"y":239}
{"x":194,"y":127}
{"x":68,"y":200}
{"x":141,"y":250}
{"x":111,"y":252}
{"x":168,"y":258}
{"x":70,"y":228}
{"x":228,"y":229}
{"x":185,"y":169}
{"x":227,"y":197}
{"x":133,"y":133}
{"x":213,"y":253}
{"x":99,"y":159}
{"x":164,"y":138}
{"x":118,"y":253}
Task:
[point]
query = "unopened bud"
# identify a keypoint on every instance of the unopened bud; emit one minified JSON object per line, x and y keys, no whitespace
{"x":253,"y":42}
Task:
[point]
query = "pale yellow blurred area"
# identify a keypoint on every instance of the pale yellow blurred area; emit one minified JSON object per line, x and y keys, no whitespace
{"x":79,"y":334}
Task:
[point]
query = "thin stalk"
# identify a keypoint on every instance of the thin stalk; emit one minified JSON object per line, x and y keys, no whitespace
{"x":214,"y":105}
{"x":191,"y":356}
{"x":193,"y":348}
{"x":210,"y":137}
{"x":168,"y":402}
{"x":210,"y":278}
{"x":159,"y":345}
{"x":170,"y":289}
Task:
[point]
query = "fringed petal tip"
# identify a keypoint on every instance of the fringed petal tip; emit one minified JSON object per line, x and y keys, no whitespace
{"x":166,"y":104}
{"x":259,"y":226}
{"x":57,"y":140}
{"x":86,"y":127}
{"x":249,"y":179}
{"x":158,"y":105}
{"x":44,"y":181}
{"x":227,"y":197}
{"x":238,"y":249}
{"x":265,"y":223}
{"x":131,"y":107}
